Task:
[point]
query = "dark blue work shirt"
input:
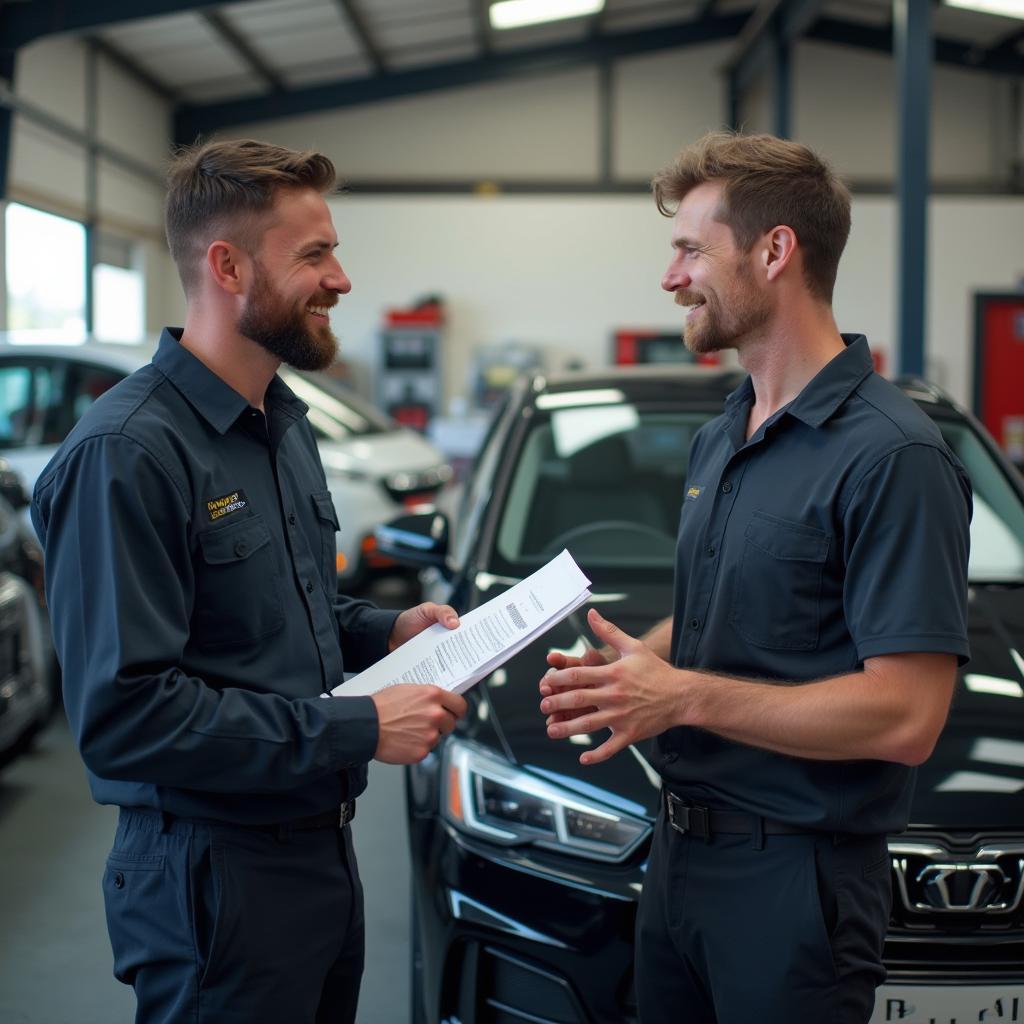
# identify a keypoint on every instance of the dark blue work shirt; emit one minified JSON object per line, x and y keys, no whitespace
{"x":190,"y":571}
{"x":838,"y":532}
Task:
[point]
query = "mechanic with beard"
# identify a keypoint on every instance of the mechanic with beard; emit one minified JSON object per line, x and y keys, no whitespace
{"x":819,"y":615}
{"x":190,"y":571}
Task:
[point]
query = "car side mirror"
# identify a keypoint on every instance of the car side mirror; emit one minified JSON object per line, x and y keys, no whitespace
{"x":417,"y":538}
{"x":12,"y":489}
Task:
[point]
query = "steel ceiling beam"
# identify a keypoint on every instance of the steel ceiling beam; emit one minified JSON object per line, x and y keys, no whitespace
{"x":773,"y":23}
{"x":23,"y":23}
{"x":946,"y":51}
{"x":116,"y":56}
{"x":199,"y":120}
{"x":482,"y":25}
{"x":240,"y":45}
{"x":1008,"y":45}
{"x":359,"y":28}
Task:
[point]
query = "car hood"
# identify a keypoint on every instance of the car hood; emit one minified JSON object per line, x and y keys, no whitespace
{"x":974,"y":779}
{"x":380,"y":454}
{"x":512,"y":698}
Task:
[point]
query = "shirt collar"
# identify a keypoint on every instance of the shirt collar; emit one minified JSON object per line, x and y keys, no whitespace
{"x":826,"y":391}
{"x":215,"y":400}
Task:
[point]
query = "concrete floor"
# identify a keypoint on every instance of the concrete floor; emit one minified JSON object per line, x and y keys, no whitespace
{"x":55,"y":961}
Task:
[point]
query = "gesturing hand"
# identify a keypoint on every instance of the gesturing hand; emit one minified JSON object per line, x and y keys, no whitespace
{"x":411,"y":718}
{"x":557,"y":660}
{"x":635,"y":697}
{"x":415,"y":620}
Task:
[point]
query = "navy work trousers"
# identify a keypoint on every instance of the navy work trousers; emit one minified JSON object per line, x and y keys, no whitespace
{"x":791,"y":932}
{"x":214,"y":924}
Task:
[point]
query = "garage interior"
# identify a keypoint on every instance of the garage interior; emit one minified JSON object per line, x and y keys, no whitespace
{"x":496,"y":202}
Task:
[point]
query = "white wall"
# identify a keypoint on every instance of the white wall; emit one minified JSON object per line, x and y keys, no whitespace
{"x":844,"y":103}
{"x":564,"y":272}
{"x":543,"y":127}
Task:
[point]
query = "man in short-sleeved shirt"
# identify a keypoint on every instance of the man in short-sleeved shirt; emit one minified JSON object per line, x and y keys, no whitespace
{"x":819,"y":617}
{"x":802,"y":552}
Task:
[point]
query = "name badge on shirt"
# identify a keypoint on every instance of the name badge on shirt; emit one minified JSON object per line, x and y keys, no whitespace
{"x":218,"y":508}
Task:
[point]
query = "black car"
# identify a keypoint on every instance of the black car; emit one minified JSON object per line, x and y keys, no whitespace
{"x":29,"y":676}
{"x":527,"y":867}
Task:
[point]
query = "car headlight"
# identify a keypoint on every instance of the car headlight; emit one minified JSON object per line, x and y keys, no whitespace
{"x":410,"y":482}
{"x":486,"y":796}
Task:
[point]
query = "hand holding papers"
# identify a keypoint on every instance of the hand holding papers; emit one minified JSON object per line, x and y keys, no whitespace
{"x":456,"y":659}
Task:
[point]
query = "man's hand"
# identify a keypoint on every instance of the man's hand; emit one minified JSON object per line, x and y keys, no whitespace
{"x":415,"y":620}
{"x":636,"y":696}
{"x":591,"y":658}
{"x":412,"y":717}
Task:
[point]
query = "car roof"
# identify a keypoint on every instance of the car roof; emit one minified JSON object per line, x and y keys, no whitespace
{"x":127,"y":358}
{"x":659,"y":382}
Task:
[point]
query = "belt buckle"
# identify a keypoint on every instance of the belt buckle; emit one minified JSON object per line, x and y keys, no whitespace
{"x":686,"y":817}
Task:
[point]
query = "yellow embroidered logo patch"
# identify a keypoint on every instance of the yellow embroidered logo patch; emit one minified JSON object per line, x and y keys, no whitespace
{"x":220,"y":507}
{"x":693,"y":493}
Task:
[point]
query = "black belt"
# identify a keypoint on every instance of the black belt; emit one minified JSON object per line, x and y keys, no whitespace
{"x":336,"y":817}
{"x":694,"y":820}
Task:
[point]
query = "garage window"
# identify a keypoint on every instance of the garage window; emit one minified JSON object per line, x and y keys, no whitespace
{"x":45,"y":258}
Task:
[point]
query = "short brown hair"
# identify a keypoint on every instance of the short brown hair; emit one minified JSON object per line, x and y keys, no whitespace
{"x":223,"y":189}
{"x":767,"y":181}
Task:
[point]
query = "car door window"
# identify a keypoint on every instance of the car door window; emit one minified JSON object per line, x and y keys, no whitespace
{"x":481,"y":479}
{"x":30,"y":398}
{"x":997,"y":526}
{"x":85,"y":384}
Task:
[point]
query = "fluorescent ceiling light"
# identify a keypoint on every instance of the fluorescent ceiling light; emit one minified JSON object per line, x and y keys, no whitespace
{"x":517,"y":13}
{"x":1008,"y":8}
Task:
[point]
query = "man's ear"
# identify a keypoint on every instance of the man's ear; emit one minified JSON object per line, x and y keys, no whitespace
{"x":779,"y":248}
{"x":228,"y":266}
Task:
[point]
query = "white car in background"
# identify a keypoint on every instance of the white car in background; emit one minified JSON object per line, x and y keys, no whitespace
{"x":374,"y":467}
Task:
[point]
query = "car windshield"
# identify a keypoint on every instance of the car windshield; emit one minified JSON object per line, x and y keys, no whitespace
{"x":997,"y":527}
{"x":605,"y":481}
{"x":335,"y":413}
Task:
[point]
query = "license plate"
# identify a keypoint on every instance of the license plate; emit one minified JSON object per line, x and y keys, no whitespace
{"x":949,"y":1004}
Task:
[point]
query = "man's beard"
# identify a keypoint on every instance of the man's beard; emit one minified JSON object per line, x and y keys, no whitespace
{"x":283,"y":330}
{"x":718,"y":329}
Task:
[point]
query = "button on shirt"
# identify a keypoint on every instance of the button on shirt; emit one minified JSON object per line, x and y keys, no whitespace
{"x":838,"y":532}
{"x":190,"y":570}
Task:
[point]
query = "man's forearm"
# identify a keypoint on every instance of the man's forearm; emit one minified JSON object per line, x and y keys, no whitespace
{"x":859,"y":716}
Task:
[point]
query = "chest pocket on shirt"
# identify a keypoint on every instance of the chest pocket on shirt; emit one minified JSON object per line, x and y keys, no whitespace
{"x":237,"y":589}
{"x":776,"y":602}
{"x":329,"y":527}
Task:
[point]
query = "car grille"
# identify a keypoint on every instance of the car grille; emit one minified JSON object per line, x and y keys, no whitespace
{"x":509,"y":989}
{"x":958,"y":906}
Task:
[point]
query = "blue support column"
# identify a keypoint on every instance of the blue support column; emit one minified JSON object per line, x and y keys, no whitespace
{"x":733,"y":100}
{"x":6,"y":121}
{"x":782,"y":75}
{"x":606,"y":122}
{"x":91,"y":184}
{"x":913,"y":47}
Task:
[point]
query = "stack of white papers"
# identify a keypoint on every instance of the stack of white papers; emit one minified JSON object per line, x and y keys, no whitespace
{"x":487,"y":636}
